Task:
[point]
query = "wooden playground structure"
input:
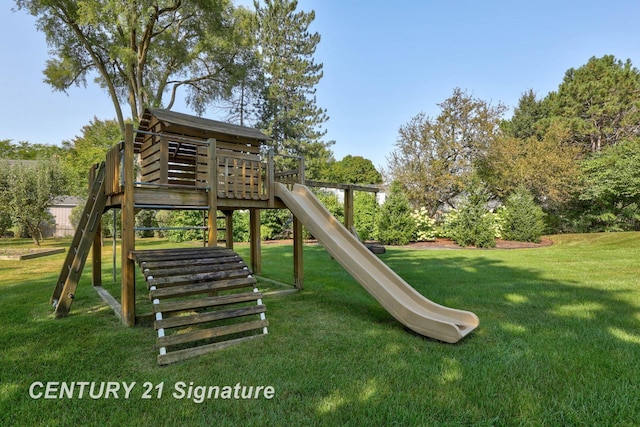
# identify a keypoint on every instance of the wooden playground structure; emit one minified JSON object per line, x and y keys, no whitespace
{"x":203,"y":298}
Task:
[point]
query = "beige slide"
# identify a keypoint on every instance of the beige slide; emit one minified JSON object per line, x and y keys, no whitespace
{"x":402,"y":301}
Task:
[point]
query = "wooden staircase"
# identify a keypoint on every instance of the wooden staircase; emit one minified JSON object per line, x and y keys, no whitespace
{"x":204,"y":299}
{"x":71,"y":271}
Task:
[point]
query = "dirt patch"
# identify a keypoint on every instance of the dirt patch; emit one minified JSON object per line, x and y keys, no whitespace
{"x":29,"y":253}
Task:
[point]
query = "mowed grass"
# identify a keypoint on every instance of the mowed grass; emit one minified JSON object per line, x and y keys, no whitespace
{"x":558,"y":344}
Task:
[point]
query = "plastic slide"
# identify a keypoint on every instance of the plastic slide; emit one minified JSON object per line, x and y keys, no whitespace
{"x":402,"y":301}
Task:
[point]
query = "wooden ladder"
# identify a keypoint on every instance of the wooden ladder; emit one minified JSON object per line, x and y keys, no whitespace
{"x":71,"y":271}
{"x":203,"y":299}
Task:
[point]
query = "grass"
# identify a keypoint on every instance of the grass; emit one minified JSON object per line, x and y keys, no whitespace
{"x":557,"y":345}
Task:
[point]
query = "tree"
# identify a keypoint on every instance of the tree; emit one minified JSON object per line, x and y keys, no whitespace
{"x":601,"y":101}
{"x":354,"y":170}
{"x":547,"y":166}
{"x":365,"y":214}
{"x":472,"y":224}
{"x":610,"y":199}
{"x":85,"y":150}
{"x":140,"y":51}
{"x":395,"y":226}
{"x":289,"y":113}
{"x":526,"y":116}
{"x":24,"y":150}
{"x":27,"y":190}
{"x":520,"y":218}
{"x":434,"y":157}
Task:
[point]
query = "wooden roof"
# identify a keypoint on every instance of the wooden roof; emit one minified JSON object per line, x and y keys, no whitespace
{"x":200,"y":127}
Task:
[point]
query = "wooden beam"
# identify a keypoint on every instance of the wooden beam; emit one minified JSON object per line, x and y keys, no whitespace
{"x":255,"y":241}
{"x":164,"y":161}
{"x":228,"y":218}
{"x":348,"y":207}
{"x":270,"y":182}
{"x":212,"y":196}
{"x":128,"y":281}
{"x":96,"y":253}
{"x":298,"y":269}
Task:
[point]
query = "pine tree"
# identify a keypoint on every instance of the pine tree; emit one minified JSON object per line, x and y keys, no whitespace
{"x":289,"y":114}
{"x":396,"y":227}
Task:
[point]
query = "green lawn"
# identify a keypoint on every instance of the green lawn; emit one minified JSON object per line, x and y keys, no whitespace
{"x":558,"y":344}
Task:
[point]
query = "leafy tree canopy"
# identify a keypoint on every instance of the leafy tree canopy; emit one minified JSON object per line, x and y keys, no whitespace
{"x":354,"y":170}
{"x":85,"y":150}
{"x":546,"y":166}
{"x":141,"y":51}
{"x":24,"y":150}
{"x":27,"y":189}
{"x":434,"y":157}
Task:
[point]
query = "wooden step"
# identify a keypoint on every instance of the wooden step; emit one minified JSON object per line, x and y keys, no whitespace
{"x":180,"y":254}
{"x":201,"y":303}
{"x":185,"y":270}
{"x":167,"y":264}
{"x":188,"y":353}
{"x":215,"y":332}
{"x":209,"y":316}
{"x":189,"y":319}
{"x":171,"y":281}
{"x":201,"y":288}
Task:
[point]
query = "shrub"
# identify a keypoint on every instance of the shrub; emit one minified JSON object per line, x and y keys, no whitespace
{"x":425,"y":225}
{"x":275,"y":224}
{"x":473,"y":224}
{"x":365,"y":214}
{"x":396,"y":227}
{"x":521,"y":219}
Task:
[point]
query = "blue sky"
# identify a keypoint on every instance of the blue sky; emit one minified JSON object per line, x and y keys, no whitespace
{"x":384,"y":62}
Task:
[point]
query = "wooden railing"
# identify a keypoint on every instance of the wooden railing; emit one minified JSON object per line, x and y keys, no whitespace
{"x":239,"y":175}
{"x":289,"y":177}
{"x":174,"y":164}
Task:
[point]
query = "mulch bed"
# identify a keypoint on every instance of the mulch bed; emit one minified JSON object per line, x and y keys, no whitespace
{"x":448,"y":244}
{"x":500,"y":244}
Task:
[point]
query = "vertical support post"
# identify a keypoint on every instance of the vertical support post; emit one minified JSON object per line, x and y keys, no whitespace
{"x":163,"y":160}
{"x":348,"y":207}
{"x":298,"y":270}
{"x":114,"y":248}
{"x":212,"y":178}
{"x":228,"y":229}
{"x":96,"y":248}
{"x":271,"y":179}
{"x":301,"y":170}
{"x":128,"y":279}
{"x":255,"y":241}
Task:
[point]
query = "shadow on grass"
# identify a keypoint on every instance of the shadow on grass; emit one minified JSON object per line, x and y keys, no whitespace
{"x":550,"y":350}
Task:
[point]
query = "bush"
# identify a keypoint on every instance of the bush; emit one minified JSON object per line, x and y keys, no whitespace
{"x":181,"y":219}
{"x":425,"y":225}
{"x":473,"y":224}
{"x":146,"y":219}
{"x":396,"y":227}
{"x":520,"y":218}
{"x":365,"y":214}
{"x":275,"y":224}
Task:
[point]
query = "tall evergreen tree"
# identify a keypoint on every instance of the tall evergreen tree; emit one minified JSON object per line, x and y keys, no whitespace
{"x":600,"y":102}
{"x":289,"y":113}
